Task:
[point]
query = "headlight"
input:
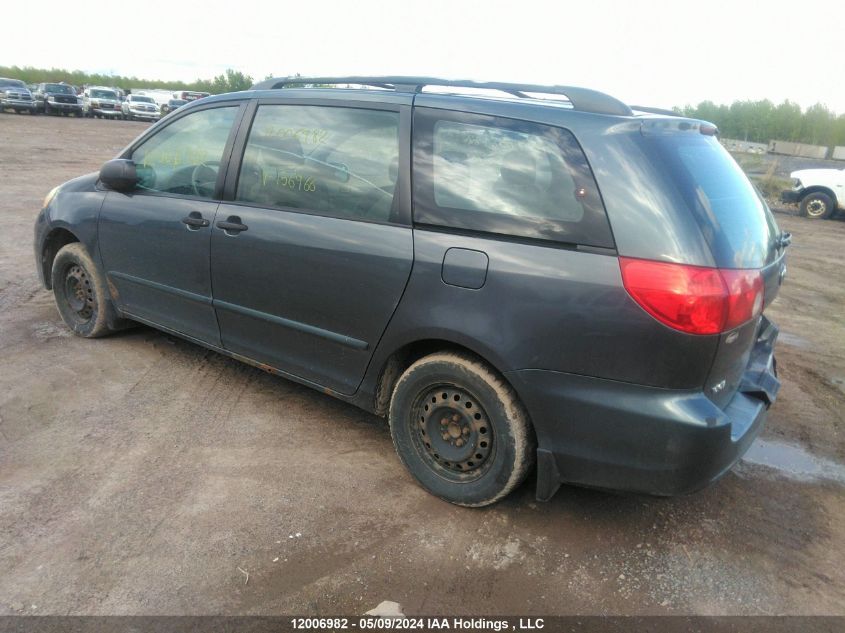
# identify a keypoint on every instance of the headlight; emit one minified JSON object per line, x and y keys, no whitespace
{"x":49,"y":197}
{"x":51,"y":98}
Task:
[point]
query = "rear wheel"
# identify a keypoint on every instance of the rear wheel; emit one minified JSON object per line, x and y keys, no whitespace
{"x":80,"y":292}
{"x":460,"y":429}
{"x":817,"y":206}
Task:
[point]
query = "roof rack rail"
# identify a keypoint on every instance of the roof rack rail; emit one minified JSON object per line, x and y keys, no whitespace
{"x":651,"y":110}
{"x":582,"y":99}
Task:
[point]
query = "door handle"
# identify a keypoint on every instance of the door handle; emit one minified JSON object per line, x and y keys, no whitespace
{"x":195,"y":221}
{"x":232,"y":225}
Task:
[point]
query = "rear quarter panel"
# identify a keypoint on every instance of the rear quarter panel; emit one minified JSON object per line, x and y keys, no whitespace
{"x":544,"y":308}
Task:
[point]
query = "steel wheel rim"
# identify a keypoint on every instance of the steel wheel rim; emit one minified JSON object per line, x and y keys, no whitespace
{"x":452,"y":433}
{"x":816,"y":208}
{"x":79,"y":293}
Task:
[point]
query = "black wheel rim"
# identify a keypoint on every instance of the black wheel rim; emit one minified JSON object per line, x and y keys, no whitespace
{"x":79,"y":294}
{"x":452,"y":433}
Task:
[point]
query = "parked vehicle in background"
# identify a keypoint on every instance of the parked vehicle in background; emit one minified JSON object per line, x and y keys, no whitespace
{"x":171,"y":105}
{"x":15,"y":95}
{"x":188,"y":95}
{"x":506,"y":306}
{"x":57,"y":98}
{"x":819,"y":192}
{"x":140,"y":107}
{"x":101,"y":102}
{"x":161,"y":97}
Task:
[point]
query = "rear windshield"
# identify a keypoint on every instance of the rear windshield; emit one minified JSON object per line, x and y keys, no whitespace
{"x":733,"y":217}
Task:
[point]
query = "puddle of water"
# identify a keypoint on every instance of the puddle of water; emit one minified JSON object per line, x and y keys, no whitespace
{"x":793,"y":340}
{"x":794,"y":462}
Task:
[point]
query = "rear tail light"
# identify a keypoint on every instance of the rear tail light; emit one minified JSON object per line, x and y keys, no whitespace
{"x":694,"y":299}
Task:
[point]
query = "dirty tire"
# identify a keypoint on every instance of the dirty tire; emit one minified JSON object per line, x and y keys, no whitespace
{"x":80,"y":292}
{"x":460,"y":429}
{"x":817,"y":206}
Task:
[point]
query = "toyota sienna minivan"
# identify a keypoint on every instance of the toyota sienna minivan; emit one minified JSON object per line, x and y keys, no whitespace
{"x":520,"y":278}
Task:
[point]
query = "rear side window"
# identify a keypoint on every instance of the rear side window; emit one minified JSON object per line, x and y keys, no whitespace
{"x":505,"y":176}
{"x":335,"y":161}
{"x":733,"y":218}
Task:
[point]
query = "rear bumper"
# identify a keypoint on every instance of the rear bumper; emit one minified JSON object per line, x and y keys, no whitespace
{"x":622,"y":436}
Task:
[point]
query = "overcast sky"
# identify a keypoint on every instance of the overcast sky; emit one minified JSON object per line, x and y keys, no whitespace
{"x":648,"y":53}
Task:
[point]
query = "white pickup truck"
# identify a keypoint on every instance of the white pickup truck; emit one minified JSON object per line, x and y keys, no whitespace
{"x":820,"y":192}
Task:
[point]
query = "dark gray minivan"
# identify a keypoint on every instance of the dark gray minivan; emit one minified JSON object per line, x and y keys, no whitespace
{"x":519,"y":276}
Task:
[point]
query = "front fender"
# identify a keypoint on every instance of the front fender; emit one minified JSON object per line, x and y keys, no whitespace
{"x":74,"y":209}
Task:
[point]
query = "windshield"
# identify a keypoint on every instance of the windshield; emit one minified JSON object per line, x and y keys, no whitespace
{"x":736,"y":222}
{"x":141,"y":99}
{"x":12,"y":83}
{"x":103,"y":94}
{"x":59,"y":89}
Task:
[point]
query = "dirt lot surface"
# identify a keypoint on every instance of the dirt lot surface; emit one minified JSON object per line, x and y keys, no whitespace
{"x":144,"y":475}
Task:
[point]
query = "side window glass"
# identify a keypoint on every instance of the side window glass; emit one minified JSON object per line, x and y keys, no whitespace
{"x":506,"y":176}
{"x":184,"y":157}
{"x":335,"y":161}
{"x":501,"y":171}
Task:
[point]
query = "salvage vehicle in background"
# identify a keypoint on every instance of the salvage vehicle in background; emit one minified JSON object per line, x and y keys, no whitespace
{"x":171,"y":105}
{"x":189,"y":95}
{"x":140,"y":107}
{"x":101,"y":102}
{"x":57,"y":98}
{"x":15,"y":95}
{"x":818,"y":192}
{"x":508,"y":306}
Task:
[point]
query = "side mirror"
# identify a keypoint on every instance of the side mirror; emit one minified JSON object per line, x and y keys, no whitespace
{"x":119,"y":174}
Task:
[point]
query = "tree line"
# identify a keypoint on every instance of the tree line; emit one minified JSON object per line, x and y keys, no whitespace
{"x":763,"y":121}
{"x":229,"y":81}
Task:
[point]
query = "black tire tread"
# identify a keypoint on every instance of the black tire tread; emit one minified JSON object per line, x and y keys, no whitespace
{"x":523,"y":435}
{"x":77,"y":252}
{"x":831,"y":205}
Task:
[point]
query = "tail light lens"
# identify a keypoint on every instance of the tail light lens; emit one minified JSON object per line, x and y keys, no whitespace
{"x":694,"y":299}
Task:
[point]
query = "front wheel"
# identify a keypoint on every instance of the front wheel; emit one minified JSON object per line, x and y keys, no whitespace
{"x":80,"y":292}
{"x":817,"y":206}
{"x":460,"y":429}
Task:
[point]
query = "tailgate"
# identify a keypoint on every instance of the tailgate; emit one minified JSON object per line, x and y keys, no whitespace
{"x":737,"y":349}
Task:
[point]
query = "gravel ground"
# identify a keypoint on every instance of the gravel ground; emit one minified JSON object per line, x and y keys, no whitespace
{"x":144,"y":475}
